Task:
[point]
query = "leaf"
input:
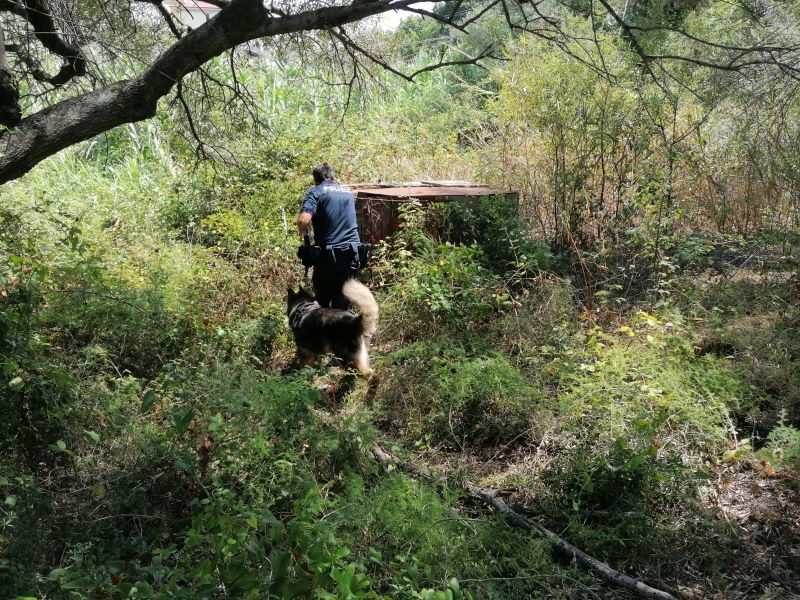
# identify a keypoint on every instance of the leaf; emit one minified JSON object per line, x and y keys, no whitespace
{"x":144,"y":589}
{"x":82,"y":583}
{"x":267,"y":518}
{"x":635,"y":460}
{"x":239,"y":579}
{"x":17,"y":383}
{"x":55,"y":574}
{"x":194,"y":539}
{"x":11,"y":501}
{"x":148,"y":400}
{"x":114,"y":566}
{"x":61,"y":445}
{"x":186,"y":461}
{"x":181,"y":420}
{"x":9,"y":367}
{"x":93,"y":435}
{"x":343,"y":577}
{"x":280,"y":562}
{"x":99,"y":491}
{"x":216,"y":423}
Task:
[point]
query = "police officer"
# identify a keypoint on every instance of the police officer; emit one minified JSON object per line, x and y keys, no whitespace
{"x":331,"y":208}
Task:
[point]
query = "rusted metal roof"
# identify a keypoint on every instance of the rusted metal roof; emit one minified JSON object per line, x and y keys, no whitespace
{"x":425,"y":190}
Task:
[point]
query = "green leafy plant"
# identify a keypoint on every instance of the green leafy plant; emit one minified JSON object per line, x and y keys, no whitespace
{"x":783,"y":446}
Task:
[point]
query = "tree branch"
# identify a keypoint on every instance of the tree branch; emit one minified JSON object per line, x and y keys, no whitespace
{"x":200,"y":148}
{"x":165,"y":14}
{"x":37,"y":14}
{"x":82,"y":117}
{"x":348,"y":42}
{"x":10,"y":112}
{"x":492,"y":497}
{"x":16,"y":8}
{"x":765,"y":54}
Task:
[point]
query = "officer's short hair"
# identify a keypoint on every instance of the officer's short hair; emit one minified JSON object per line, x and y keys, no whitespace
{"x":322,"y":172}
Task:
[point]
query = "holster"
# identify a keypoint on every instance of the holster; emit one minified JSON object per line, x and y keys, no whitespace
{"x":356,"y":257}
{"x":308,"y":253}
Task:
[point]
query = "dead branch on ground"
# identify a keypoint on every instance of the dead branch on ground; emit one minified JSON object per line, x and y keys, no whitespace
{"x":492,"y":497}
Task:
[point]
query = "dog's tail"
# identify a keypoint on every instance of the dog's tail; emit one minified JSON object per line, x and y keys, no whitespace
{"x":359,"y":294}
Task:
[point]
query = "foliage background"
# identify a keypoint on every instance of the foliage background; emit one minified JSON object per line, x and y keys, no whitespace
{"x":620,"y":349}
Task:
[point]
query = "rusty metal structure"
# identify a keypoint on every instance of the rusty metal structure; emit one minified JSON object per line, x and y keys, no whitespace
{"x":378,"y":204}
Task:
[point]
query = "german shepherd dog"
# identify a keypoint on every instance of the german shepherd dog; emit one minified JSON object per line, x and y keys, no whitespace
{"x":320,"y":330}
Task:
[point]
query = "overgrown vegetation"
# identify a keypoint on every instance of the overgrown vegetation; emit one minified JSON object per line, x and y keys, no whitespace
{"x":618,"y":352}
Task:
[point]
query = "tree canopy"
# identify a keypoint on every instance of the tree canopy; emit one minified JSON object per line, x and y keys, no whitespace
{"x":70,"y":70}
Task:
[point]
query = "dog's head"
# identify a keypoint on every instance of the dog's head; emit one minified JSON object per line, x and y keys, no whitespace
{"x":299,"y":297}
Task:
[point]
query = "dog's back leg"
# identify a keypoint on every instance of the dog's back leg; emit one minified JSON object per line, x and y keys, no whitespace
{"x":300,"y":361}
{"x":305,"y":359}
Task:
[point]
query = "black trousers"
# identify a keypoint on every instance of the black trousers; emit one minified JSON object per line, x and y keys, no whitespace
{"x":328,"y":281}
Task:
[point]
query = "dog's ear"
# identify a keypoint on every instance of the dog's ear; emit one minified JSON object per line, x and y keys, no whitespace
{"x":290,"y":293}
{"x":301,"y":291}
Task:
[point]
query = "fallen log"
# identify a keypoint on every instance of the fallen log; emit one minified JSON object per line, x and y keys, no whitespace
{"x":492,"y":497}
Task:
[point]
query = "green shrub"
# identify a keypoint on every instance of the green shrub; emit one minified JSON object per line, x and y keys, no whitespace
{"x":480,"y":400}
{"x":494,"y":225}
{"x":639,"y":417}
{"x":451,"y":397}
{"x":253,"y":339}
{"x":246,"y":208}
{"x":783,"y":447}
{"x":415,"y":538}
{"x":435,"y":287}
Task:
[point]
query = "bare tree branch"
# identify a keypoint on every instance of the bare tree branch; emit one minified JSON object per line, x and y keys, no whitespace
{"x":737,"y":58}
{"x":342,"y":36}
{"x":200,"y":149}
{"x":37,"y":13}
{"x":165,"y":14}
{"x":82,"y":117}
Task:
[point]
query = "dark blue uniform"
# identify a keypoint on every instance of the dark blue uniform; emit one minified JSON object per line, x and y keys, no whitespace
{"x":333,"y":210}
{"x":334,"y":215}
